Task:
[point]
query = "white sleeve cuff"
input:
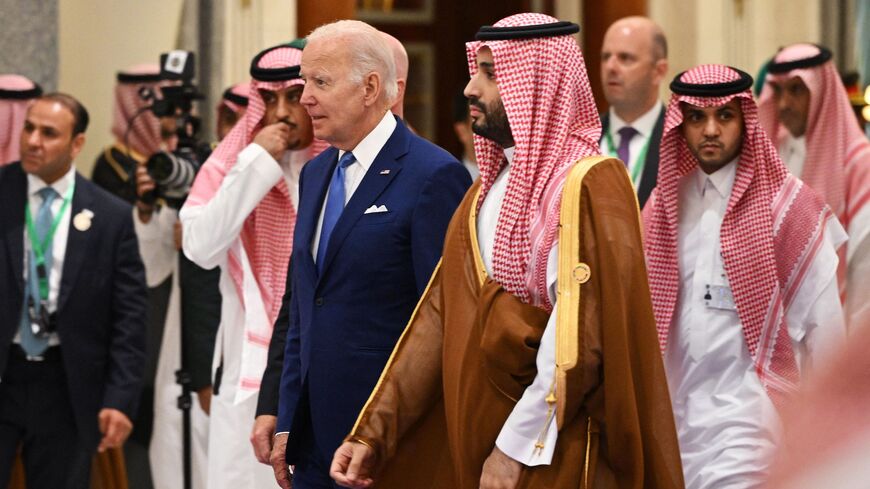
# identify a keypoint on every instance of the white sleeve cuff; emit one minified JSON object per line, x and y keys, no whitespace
{"x":523,"y":449}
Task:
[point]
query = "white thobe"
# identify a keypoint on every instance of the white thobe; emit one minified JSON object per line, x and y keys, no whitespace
{"x":857,"y":308}
{"x":210,"y":231}
{"x":529,"y":418}
{"x":726,"y":423}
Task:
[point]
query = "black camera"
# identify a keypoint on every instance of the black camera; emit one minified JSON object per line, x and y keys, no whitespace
{"x":174,"y":172}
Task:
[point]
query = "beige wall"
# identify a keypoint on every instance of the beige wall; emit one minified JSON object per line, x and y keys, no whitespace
{"x":250,"y":27}
{"x":99,"y":37}
{"x":740,"y":33}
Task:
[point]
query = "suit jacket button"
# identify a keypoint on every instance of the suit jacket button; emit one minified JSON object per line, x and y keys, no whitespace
{"x":318,"y":301}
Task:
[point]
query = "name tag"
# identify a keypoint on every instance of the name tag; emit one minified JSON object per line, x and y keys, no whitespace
{"x":719,"y":297}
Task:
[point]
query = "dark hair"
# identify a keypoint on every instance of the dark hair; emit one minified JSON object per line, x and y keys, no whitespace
{"x":460,"y":108}
{"x":80,"y":114}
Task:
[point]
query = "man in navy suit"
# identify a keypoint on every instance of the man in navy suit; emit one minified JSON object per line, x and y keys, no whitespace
{"x":634,"y":61}
{"x":373,"y":212}
{"x":73,"y":306}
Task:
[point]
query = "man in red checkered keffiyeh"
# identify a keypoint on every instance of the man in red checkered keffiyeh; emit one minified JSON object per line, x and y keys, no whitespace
{"x":240,"y":216}
{"x":496,"y":382}
{"x":742,"y":262}
{"x":231,"y":108}
{"x":805,"y":109}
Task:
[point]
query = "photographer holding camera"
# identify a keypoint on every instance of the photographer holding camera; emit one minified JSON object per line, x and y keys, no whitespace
{"x":240,"y":216}
{"x":154,"y":114}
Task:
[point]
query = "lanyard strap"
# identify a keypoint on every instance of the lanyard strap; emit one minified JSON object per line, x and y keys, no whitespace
{"x":641,"y":158}
{"x":38,"y":247}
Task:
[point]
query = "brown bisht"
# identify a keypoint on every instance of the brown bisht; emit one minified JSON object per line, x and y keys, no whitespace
{"x":469,"y":352}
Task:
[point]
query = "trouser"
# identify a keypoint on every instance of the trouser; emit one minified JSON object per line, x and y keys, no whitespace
{"x":36,"y":413}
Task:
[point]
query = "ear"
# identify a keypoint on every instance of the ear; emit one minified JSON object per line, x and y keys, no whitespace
{"x":401,"y":91}
{"x":372,"y":88}
{"x":660,"y":70}
{"x":78,"y":143}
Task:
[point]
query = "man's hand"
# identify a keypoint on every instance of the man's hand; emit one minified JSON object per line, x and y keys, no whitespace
{"x":204,"y":397}
{"x":274,"y":138}
{"x":279,"y":462}
{"x":261,"y":437}
{"x":500,"y":471}
{"x":352,"y":465}
{"x":115,"y":427}
{"x":144,"y":184}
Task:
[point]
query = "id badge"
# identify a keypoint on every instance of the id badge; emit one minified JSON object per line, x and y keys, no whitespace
{"x":719,"y":297}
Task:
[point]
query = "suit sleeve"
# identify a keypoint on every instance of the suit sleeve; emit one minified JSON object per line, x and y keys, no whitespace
{"x":290,"y":381}
{"x":438,"y":201}
{"x":267,"y":402}
{"x":129,"y":309}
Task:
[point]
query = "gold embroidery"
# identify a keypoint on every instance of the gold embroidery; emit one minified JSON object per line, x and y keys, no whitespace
{"x":479,"y":267}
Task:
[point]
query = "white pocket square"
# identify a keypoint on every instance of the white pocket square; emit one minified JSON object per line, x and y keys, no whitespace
{"x":375,"y":209}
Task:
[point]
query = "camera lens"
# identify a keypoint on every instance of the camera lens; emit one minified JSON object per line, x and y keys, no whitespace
{"x":160,"y":166}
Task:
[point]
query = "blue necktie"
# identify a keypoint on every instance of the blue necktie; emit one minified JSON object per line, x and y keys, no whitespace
{"x":334,"y":206}
{"x":33,"y":345}
{"x":625,"y":136}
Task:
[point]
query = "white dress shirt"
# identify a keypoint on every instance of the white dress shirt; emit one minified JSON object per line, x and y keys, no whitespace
{"x":644,"y":126}
{"x":726,"y":424}
{"x":58,"y":242}
{"x":793,"y":152}
{"x":364,"y":155}
{"x":528,"y":419}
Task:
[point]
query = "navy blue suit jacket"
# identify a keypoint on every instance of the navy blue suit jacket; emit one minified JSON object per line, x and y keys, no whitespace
{"x":101,"y":306}
{"x":345,"y":322}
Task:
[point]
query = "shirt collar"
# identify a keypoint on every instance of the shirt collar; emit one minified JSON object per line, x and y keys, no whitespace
{"x":643,"y":125}
{"x":367,"y":150}
{"x":722,"y":179}
{"x":792,"y":144}
{"x":61,"y":185}
{"x":509,"y":154}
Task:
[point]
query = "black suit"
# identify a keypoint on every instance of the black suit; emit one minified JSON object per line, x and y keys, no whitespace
{"x":651,"y":164}
{"x":101,"y":311}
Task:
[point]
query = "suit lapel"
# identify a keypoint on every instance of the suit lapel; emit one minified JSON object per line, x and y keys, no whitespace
{"x":651,"y":163}
{"x":316,"y":185}
{"x":379,"y":175}
{"x":77,"y":241}
{"x":12,"y":200}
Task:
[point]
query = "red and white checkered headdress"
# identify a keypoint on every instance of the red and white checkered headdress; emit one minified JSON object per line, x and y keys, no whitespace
{"x":16,"y":93}
{"x":772,"y":228}
{"x":235,"y":97}
{"x":554,"y":121}
{"x":838,"y":153}
{"x":144,"y":137}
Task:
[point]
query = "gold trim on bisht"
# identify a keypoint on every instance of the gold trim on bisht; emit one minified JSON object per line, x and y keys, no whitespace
{"x":479,"y":266}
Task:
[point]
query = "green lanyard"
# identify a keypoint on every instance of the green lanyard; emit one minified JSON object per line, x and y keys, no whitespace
{"x":641,"y":158}
{"x":39,"y":247}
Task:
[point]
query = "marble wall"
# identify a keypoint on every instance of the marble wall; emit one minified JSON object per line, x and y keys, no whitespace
{"x":29,"y":40}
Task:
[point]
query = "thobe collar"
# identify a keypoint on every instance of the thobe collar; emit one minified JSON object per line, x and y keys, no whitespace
{"x":722,"y":180}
